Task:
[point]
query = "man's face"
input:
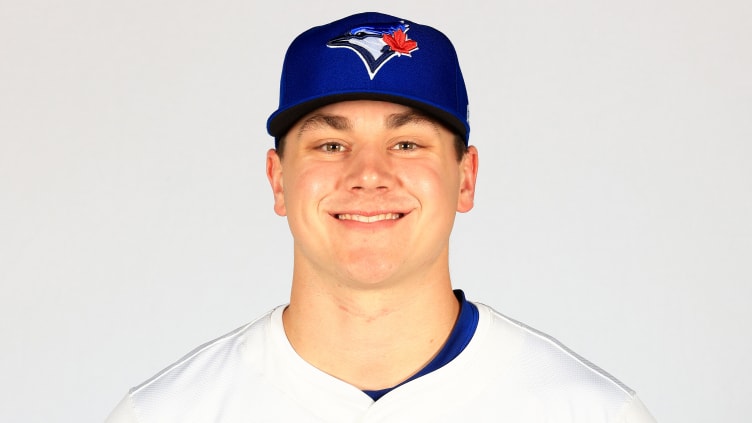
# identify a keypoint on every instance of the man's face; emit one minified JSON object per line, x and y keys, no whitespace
{"x":370,"y":190}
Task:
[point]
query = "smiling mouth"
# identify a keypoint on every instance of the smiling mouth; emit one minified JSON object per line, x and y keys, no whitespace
{"x":369,"y":219}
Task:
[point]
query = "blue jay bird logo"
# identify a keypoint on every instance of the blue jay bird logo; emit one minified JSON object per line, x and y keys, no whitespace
{"x":377,"y":44}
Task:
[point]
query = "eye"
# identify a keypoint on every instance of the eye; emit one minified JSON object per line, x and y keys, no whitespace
{"x":405,"y":146}
{"x":331,"y":147}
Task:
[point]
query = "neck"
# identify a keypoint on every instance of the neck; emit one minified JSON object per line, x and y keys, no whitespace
{"x":372,"y":338}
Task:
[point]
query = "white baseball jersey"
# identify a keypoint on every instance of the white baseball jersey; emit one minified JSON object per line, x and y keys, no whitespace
{"x":507,"y":373}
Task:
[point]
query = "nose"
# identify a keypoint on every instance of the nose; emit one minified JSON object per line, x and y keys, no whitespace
{"x":369,"y":169}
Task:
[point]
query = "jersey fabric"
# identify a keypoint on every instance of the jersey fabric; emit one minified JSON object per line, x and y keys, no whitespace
{"x":507,"y":372}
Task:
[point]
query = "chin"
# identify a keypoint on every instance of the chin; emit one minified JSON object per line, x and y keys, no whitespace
{"x":369,"y":276}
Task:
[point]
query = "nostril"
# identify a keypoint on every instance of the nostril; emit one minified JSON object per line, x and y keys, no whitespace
{"x":363,"y":188}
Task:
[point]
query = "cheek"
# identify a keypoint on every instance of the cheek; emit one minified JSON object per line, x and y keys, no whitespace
{"x":432,"y":183}
{"x":309,"y":186}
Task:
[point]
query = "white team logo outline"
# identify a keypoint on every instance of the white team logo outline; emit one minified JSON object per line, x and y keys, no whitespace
{"x":368,"y":43}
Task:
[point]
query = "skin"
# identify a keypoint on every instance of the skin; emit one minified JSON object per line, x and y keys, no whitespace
{"x":370,"y":190}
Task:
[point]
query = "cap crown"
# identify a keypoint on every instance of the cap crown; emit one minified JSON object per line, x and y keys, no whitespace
{"x":372,"y":56}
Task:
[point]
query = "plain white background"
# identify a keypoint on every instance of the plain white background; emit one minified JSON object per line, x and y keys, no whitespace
{"x":613,"y":208}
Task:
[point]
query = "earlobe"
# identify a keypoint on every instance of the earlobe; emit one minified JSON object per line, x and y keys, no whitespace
{"x":274,"y":174}
{"x":468,"y":177}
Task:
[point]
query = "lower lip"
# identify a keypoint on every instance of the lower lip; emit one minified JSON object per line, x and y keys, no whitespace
{"x":381,"y":224}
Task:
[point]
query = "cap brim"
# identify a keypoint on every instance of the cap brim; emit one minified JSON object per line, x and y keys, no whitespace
{"x":282,"y":120}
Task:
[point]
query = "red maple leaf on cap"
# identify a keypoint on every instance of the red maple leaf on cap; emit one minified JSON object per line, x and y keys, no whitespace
{"x":399,"y":43}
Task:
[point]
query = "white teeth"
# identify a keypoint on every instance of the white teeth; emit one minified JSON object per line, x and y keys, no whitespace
{"x":369,"y":219}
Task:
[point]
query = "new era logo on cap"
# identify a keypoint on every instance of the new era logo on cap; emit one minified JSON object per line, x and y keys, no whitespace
{"x":377,"y":44}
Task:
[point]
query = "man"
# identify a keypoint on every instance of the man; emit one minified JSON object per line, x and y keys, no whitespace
{"x":371,"y":164}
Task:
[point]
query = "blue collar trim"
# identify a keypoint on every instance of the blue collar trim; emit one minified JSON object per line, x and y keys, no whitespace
{"x":461,"y":334}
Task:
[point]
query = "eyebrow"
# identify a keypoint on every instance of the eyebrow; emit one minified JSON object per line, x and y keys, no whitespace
{"x":337,"y":122}
{"x":341,"y":123}
{"x":397,"y":120}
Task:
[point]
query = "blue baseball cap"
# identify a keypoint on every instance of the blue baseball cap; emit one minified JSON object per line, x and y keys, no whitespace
{"x":372,"y":56}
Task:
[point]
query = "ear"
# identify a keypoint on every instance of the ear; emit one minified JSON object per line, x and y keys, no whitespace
{"x":274,"y":174}
{"x":468,"y":176}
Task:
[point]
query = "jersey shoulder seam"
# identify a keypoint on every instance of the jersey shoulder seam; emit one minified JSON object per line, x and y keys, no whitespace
{"x":198,"y":350}
{"x":557,"y":344}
